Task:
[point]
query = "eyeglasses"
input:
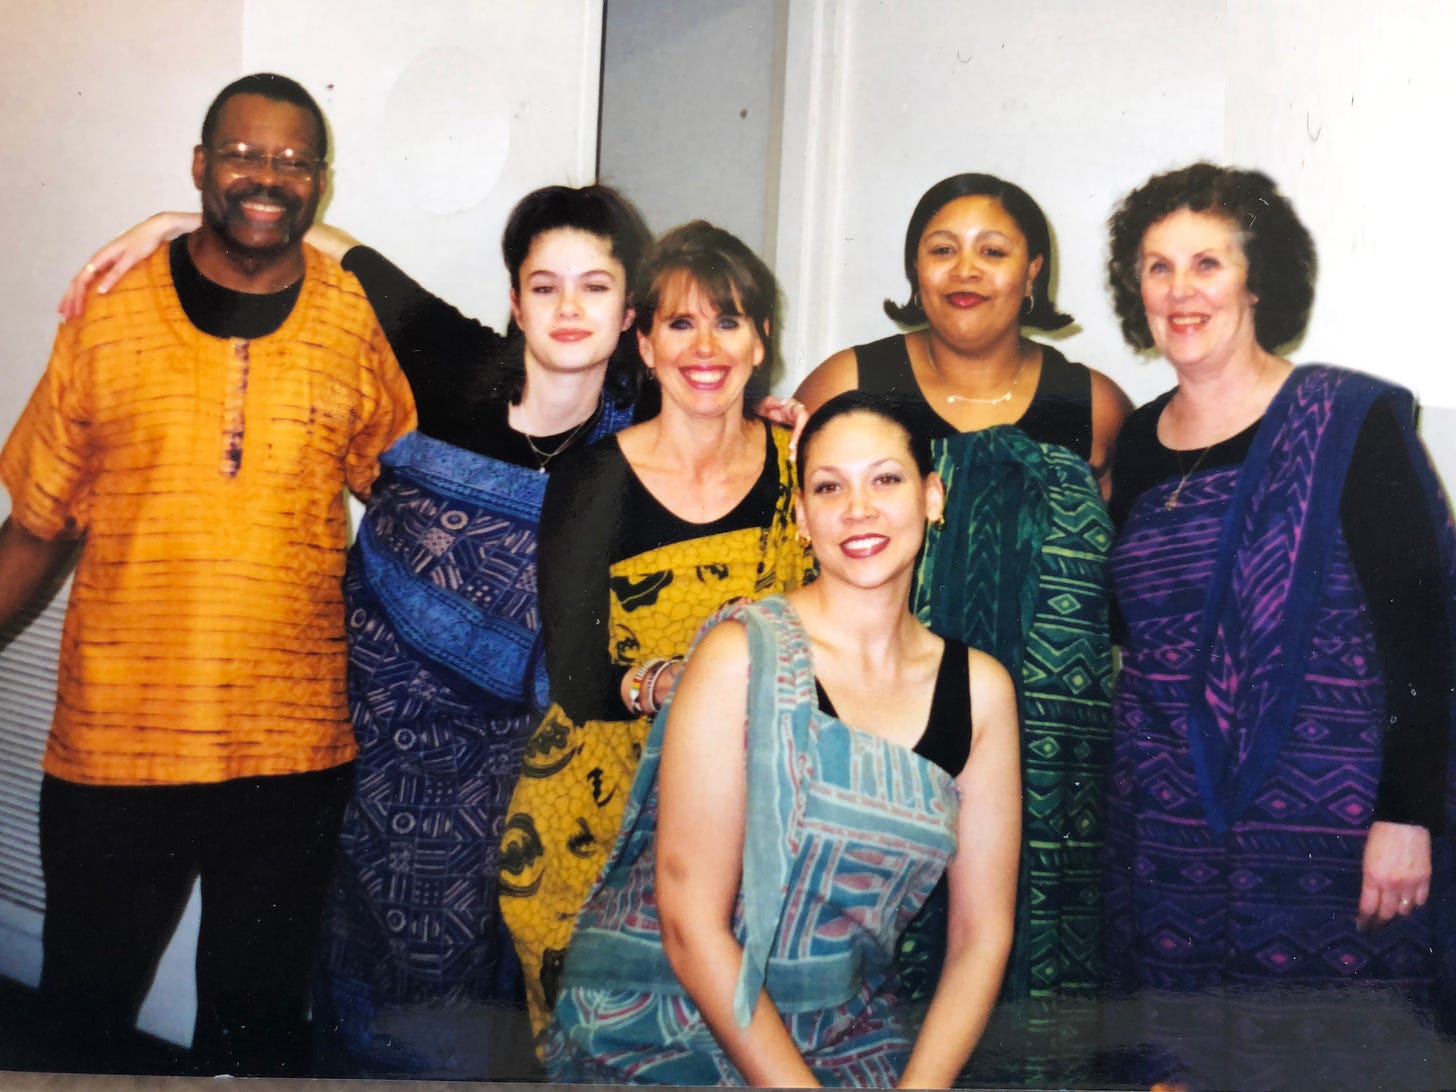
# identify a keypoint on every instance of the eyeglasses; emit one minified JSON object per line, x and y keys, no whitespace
{"x":248,"y":160}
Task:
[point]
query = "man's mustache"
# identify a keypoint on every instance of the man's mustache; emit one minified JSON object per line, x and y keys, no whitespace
{"x":272,"y":194}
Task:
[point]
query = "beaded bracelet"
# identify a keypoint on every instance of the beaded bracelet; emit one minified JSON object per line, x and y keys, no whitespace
{"x":634,"y":688}
{"x":649,"y":686}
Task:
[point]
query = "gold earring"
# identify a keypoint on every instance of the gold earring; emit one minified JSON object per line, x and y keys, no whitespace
{"x":805,"y":542}
{"x":939,"y":522}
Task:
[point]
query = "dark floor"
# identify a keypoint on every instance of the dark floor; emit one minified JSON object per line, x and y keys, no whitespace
{"x":27,"y":1045}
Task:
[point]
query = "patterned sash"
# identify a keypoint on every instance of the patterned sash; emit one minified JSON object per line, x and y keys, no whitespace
{"x":1273,"y":553}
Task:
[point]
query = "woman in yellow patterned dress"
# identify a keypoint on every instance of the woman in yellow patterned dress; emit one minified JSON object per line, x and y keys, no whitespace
{"x":643,"y":536}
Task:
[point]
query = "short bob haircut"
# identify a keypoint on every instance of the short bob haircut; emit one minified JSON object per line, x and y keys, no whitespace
{"x":272,"y":86}
{"x":1019,"y":205}
{"x":1276,"y":244}
{"x":896,"y":409}
{"x":596,"y":210}
{"x":734,"y":278}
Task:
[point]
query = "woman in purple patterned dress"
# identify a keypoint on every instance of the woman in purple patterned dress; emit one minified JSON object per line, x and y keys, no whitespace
{"x":1279,"y":867}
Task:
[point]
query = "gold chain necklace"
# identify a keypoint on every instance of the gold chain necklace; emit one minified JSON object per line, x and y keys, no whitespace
{"x":952,"y":399}
{"x":1172,"y":501}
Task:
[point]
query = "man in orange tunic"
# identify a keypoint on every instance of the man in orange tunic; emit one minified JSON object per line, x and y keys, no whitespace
{"x":195,"y":430}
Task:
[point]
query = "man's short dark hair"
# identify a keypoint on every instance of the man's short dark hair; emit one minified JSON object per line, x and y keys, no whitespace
{"x":269,"y":85}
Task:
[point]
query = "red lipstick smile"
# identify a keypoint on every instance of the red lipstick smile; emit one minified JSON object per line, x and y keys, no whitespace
{"x":965,"y":300}
{"x":862,"y":546}
{"x":705,"y":378}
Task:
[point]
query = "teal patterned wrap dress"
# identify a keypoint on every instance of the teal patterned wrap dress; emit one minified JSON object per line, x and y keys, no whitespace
{"x":846,"y":834}
{"x":1020,"y":570}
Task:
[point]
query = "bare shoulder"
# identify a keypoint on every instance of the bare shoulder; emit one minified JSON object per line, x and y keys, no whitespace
{"x":1110,"y":405}
{"x":993,"y":695}
{"x":986,"y":671}
{"x":722,"y":652}
{"x":714,"y":681}
{"x":838,"y":373}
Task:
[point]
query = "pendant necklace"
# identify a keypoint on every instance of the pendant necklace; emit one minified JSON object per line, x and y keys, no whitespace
{"x":545,"y":457}
{"x":1172,"y":501}
{"x":952,"y":399}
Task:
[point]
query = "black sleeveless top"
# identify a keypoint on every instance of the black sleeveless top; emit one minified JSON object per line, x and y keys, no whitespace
{"x":946,"y":740}
{"x":1060,"y":411}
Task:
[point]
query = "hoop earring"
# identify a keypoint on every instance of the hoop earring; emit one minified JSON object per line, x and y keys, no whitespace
{"x":915,"y":300}
{"x":1030,"y":301}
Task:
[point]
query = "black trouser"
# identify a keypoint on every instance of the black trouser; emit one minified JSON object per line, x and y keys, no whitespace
{"x":119,"y":863}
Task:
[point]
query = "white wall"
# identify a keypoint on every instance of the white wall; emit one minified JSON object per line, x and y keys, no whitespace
{"x":1343,"y":103}
{"x":689,"y":111}
{"x":1347,"y":105}
{"x":1075,"y":102}
{"x":443,"y":113}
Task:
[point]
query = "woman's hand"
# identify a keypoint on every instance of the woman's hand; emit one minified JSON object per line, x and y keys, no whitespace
{"x":644,"y":689}
{"x":112,"y":261}
{"x":789,"y":412}
{"x":1397,"y":872}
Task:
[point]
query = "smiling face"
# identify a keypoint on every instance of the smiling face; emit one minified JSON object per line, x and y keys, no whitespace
{"x":258,"y":211}
{"x":702,"y":357}
{"x":1194,"y":281}
{"x":974,"y":273}
{"x":572,"y":301}
{"x":863,"y":501}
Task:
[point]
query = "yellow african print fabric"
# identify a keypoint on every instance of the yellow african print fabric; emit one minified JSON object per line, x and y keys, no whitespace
{"x":204,"y":638}
{"x":567,"y":807}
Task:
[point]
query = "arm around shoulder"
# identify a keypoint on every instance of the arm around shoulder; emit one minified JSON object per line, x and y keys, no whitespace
{"x":387,"y":412}
{"x":109,"y":263}
{"x":333,"y":241}
{"x":982,"y":883}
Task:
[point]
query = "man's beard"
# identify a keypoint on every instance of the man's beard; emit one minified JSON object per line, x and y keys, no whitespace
{"x":230,"y":215}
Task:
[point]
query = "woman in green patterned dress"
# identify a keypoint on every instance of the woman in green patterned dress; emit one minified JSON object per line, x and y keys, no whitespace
{"x":1021,"y":436}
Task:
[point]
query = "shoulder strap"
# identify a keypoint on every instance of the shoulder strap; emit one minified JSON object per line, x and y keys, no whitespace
{"x":780,"y":708}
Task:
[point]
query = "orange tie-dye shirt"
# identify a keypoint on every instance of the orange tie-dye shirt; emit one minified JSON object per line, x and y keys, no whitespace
{"x":204,"y":639}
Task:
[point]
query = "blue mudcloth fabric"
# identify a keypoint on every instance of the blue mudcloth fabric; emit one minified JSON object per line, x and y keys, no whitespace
{"x":845,"y":836}
{"x":446,"y":681}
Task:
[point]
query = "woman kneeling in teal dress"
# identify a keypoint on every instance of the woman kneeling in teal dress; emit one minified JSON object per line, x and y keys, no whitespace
{"x":744,"y":930}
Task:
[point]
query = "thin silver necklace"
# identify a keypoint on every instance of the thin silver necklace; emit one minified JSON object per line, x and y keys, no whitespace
{"x":952,"y":399}
{"x":545,"y":457}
